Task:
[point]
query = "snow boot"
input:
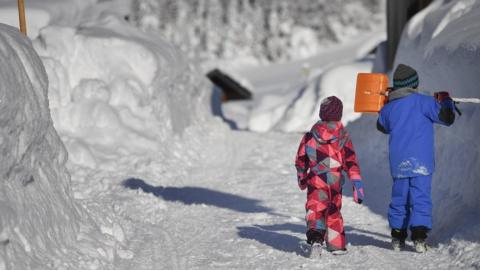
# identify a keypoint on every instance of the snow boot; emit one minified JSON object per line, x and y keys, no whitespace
{"x":311,"y":250}
{"x":420,"y":246}
{"x":316,"y":250}
{"x":419,"y":235}
{"x":398,"y":239}
{"x":398,"y":244}
{"x":315,"y":238}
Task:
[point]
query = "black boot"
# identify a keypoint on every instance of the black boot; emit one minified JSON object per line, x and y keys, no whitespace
{"x":314,"y":236}
{"x":315,"y":240}
{"x":419,"y":235}
{"x":398,"y":239}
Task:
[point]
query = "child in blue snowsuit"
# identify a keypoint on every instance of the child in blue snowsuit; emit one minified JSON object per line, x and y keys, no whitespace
{"x":408,"y":118}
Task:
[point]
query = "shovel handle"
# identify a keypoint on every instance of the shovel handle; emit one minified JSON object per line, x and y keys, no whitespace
{"x":467,"y":100}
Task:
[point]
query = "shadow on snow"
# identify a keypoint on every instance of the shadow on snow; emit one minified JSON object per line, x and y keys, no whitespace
{"x":278,"y":241}
{"x":199,"y":195}
{"x":359,"y":237}
{"x":271,"y":235}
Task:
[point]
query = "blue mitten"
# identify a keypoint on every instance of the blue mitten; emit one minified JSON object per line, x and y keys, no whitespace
{"x":358,"y":194}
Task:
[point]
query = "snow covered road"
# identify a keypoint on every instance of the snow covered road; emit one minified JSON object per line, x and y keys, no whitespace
{"x":246,"y":215}
{"x":155,"y":181}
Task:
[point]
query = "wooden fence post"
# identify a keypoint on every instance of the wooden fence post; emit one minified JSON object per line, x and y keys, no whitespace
{"x":21,"y":16}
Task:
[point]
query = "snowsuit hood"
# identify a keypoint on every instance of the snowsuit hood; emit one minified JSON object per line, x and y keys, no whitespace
{"x":332,"y":133}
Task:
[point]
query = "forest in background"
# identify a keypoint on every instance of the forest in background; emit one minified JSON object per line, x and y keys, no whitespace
{"x":263,"y":30}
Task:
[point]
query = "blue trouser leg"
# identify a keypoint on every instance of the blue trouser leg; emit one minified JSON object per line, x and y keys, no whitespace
{"x":421,"y":201}
{"x":411,"y":202}
{"x":399,"y":210}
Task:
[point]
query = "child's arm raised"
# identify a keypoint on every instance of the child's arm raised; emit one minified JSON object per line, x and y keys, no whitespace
{"x":439,"y":109}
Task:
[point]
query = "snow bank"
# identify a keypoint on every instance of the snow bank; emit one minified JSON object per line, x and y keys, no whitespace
{"x":287,"y":96}
{"x":117,"y":94}
{"x":298,"y":110}
{"x":39,"y":220}
{"x":443,"y":44}
{"x":338,"y":81}
{"x":123,"y":102}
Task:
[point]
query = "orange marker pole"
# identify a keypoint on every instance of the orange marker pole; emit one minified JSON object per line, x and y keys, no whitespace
{"x":21,"y":16}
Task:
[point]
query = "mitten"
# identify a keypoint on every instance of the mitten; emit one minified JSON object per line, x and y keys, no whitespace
{"x":441,"y":96}
{"x":444,"y":99}
{"x":358,"y":194}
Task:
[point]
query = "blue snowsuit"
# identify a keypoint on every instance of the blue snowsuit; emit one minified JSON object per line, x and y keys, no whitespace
{"x":408,"y":118}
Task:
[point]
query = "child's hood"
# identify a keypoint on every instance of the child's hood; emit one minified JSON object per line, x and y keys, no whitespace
{"x":329,"y":132}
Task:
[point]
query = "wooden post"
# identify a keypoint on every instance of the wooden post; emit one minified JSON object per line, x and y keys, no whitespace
{"x":21,"y":16}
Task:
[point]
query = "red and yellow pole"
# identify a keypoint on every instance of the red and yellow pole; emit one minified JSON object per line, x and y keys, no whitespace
{"x":21,"y":16}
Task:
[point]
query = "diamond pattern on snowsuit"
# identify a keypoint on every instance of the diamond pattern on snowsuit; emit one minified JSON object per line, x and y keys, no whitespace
{"x":324,"y":153}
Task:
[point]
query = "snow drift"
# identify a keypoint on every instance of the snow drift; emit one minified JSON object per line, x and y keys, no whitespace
{"x":122,"y":101}
{"x":290,"y":101}
{"x":338,"y":81}
{"x":39,"y":220}
{"x":118,"y":94}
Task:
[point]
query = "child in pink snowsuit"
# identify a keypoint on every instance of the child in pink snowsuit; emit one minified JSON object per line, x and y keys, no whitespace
{"x":324,"y":155}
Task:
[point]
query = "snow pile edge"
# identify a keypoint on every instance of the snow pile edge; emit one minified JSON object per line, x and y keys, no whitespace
{"x":38,"y":215}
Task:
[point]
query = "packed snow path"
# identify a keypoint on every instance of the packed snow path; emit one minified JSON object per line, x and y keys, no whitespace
{"x":247,"y":215}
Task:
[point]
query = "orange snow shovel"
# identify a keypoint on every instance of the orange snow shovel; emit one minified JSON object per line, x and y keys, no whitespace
{"x":371,"y":92}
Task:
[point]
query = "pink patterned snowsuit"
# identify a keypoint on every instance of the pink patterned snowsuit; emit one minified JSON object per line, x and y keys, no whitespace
{"x":324,"y":153}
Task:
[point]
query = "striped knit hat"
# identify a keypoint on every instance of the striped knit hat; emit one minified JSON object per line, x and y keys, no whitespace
{"x":405,"y":76}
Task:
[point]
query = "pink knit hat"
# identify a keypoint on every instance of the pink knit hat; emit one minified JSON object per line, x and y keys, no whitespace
{"x":331,"y":109}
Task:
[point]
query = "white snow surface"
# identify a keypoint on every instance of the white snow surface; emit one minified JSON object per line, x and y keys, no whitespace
{"x":158,"y":182}
{"x":41,"y":226}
